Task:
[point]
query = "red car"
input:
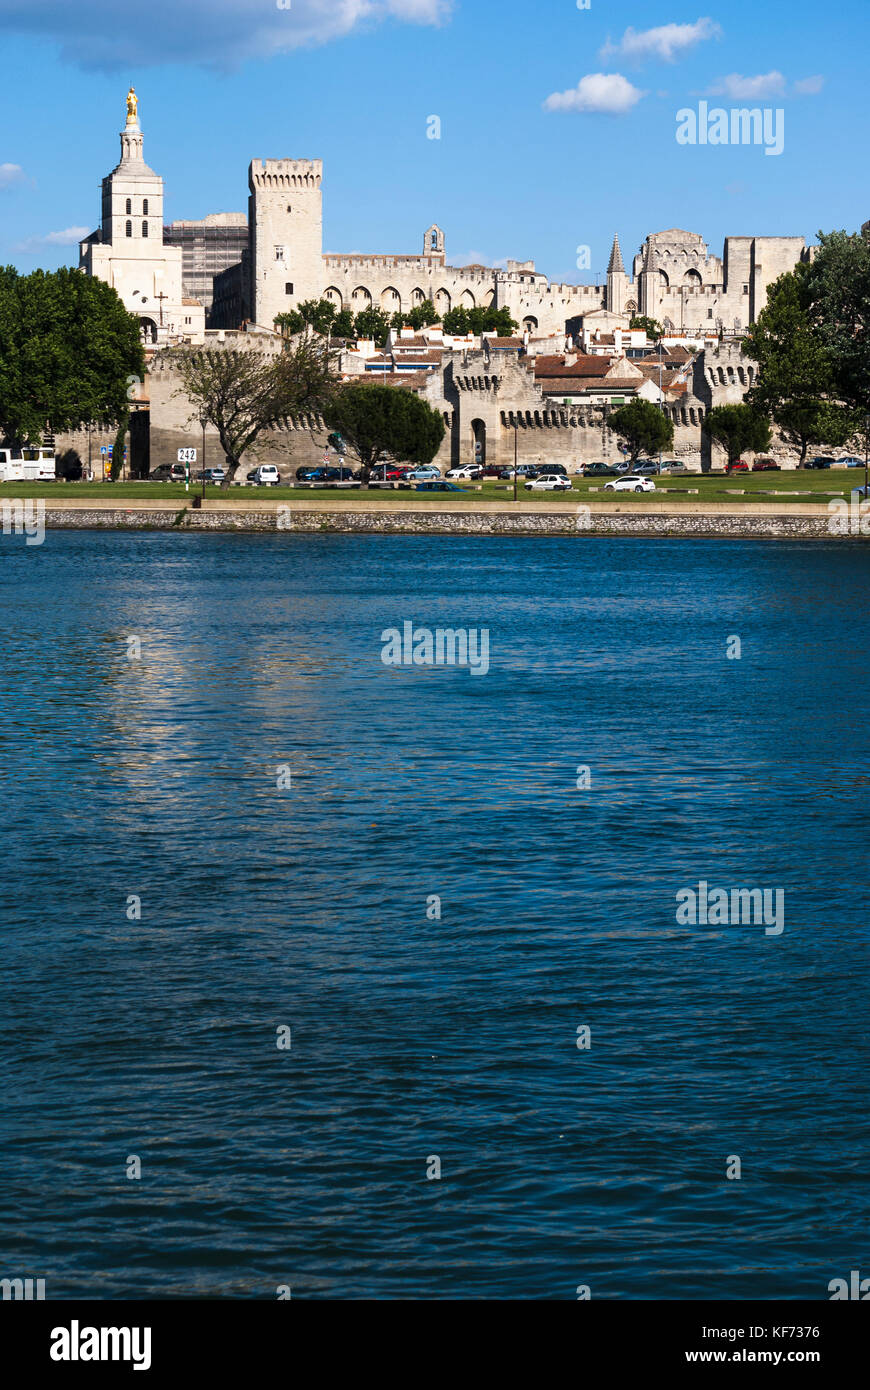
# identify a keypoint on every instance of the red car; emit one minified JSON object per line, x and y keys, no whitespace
{"x":395,"y":475}
{"x":738,"y":467}
{"x":765,"y":466}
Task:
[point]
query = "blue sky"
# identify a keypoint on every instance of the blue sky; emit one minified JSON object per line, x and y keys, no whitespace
{"x":557,"y":123}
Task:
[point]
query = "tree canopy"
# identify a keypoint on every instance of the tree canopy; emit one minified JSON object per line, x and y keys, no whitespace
{"x":242,"y":392}
{"x":835,"y":294}
{"x":377,"y":420}
{"x":651,"y":327}
{"x":643,"y":426}
{"x":68,"y":351}
{"x":736,"y":428}
{"x":460,"y":321}
{"x":796,"y":384}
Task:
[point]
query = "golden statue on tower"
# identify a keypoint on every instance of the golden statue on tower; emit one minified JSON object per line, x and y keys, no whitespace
{"x":132,"y":107}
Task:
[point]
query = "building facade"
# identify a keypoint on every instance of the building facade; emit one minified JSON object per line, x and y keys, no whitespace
{"x":128,"y":250}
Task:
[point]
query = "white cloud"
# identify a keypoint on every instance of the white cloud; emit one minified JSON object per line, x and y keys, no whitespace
{"x":68,"y":237}
{"x":668,"y":41}
{"x":768,"y":84}
{"x":221,"y":33}
{"x":809,"y":86}
{"x":598,"y":91}
{"x":10,"y":174}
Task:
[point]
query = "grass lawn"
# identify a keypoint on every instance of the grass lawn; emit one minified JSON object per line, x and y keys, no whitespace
{"x":809,"y":484}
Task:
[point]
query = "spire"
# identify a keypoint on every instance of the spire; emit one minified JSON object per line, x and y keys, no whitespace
{"x":650,"y":260}
{"x":615,"y":266}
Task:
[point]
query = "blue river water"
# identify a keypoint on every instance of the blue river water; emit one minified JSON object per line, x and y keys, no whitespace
{"x":254,"y":825}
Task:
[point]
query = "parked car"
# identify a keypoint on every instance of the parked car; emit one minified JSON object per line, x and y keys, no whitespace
{"x":549,"y":482}
{"x":621,"y":467}
{"x":554,"y":468}
{"x":851,"y":462}
{"x":266,"y":475}
{"x":738,"y":466}
{"x":438,"y":485}
{"x":765,"y":466}
{"x":168,"y":473}
{"x":674,"y":466}
{"x":307,"y":471}
{"x":469,"y":470}
{"x":381,"y":473}
{"x":524,"y":470}
{"x":820,"y":461}
{"x":599,"y":470}
{"x":632,"y":482}
{"x":646,"y":468}
{"x":425,"y":474}
{"x":212,"y":475}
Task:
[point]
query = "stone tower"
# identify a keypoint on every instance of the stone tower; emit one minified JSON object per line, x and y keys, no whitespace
{"x":433,"y":242}
{"x":285,"y":217}
{"x":617,"y":280}
{"x":128,"y":251}
{"x":649,"y":282}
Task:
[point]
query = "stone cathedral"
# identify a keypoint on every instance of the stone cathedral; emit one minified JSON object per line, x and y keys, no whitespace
{"x":673,"y":279}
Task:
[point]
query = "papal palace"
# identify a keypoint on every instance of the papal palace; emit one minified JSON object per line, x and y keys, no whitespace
{"x":228,"y":275}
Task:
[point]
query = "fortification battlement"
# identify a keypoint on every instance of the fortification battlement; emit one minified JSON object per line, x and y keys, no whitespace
{"x":285,"y":173}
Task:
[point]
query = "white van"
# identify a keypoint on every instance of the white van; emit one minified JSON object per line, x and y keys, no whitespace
{"x":264,"y":476}
{"x":27,"y":466}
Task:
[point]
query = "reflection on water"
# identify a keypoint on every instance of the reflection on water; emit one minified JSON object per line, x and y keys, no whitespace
{"x":456,"y":1036}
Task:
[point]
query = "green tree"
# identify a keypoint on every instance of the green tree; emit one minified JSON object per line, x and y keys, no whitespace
{"x":651,"y":327}
{"x":835,"y":293}
{"x":460,"y":321}
{"x":796,"y":384}
{"x":377,"y":420}
{"x":423,"y":315}
{"x":456,"y":321}
{"x":343,"y":325}
{"x":242,"y":393}
{"x":68,"y":352}
{"x":289,"y":324}
{"x":643,"y":426}
{"x":372,"y":323}
{"x":737,"y":428}
{"x":319,"y":314}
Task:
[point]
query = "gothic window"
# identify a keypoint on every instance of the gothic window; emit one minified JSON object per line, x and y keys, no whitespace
{"x":129,"y":204}
{"x":144,"y":228}
{"x":279,"y":253}
{"x":144,"y":207}
{"x":129,"y":228}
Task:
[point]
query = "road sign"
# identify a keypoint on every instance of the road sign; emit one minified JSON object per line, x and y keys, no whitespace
{"x":187,"y":456}
{"x":102,"y":448}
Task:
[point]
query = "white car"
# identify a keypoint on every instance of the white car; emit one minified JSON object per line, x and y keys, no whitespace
{"x":264,"y":476}
{"x":549,"y":482}
{"x":471,"y":470}
{"x":631,"y":482}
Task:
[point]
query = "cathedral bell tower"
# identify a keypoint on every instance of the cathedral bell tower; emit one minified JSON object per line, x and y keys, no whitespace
{"x":128,"y":251}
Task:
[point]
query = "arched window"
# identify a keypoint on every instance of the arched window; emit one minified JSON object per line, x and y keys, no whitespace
{"x":144,"y":228}
{"x":129,"y":204}
{"x":129,"y":228}
{"x":144,"y":207}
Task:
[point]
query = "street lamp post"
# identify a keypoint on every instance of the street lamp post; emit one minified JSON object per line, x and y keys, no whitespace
{"x":866,"y":457}
{"x":516,"y":446}
{"x":202,"y":421}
